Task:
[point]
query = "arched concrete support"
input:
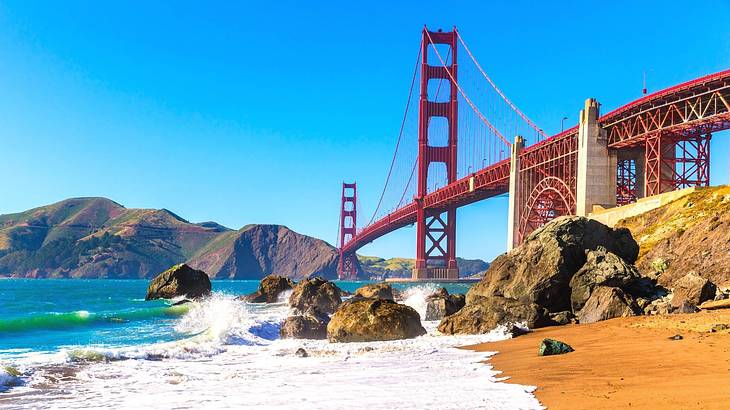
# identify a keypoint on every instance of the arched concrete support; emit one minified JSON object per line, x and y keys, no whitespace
{"x":513,"y":219}
{"x":596,"y":176}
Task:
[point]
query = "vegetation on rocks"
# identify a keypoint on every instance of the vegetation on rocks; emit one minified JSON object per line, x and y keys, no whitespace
{"x":689,"y":234}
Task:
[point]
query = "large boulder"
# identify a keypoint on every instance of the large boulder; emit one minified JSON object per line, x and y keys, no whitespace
{"x":484,"y":315}
{"x":602,"y":268}
{"x":607,"y":303}
{"x":693,"y":289}
{"x":310,"y":325}
{"x":269,"y":289}
{"x":532,"y":283}
{"x":366,"y":320}
{"x":318,"y":293}
{"x":179,"y":280}
{"x":441,"y":304}
{"x":540,"y":270}
{"x":376,"y":290}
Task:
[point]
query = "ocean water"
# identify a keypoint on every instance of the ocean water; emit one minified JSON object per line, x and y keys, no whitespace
{"x":98,"y":343}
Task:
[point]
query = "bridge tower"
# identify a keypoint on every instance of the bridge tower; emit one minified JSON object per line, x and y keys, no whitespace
{"x":347,"y":266}
{"x":436,"y":228}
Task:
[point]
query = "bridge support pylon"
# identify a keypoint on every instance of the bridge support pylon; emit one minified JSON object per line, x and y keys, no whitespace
{"x":596,"y":176}
{"x":513,"y":218}
{"x":436,"y":228}
{"x":347,"y":266}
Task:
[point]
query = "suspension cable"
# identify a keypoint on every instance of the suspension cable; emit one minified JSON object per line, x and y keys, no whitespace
{"x":400,"y":135}
{"x":501,"y":94}
{"x":463,"y":94}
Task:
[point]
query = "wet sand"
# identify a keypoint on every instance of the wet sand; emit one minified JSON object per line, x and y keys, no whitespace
{"x":625,"y":363}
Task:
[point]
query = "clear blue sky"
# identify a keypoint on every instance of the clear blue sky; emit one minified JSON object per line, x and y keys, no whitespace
{"x":255,"y":112}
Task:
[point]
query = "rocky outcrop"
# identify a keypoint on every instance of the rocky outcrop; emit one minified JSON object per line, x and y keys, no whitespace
{"x":310,"y":325}
{"x":483,"y":316}
{"x":556,"y":269}
{"x":602,"y":268}
{"x":366,"y":320}
{"x":179,"y":280}
{"x":316,"y":293}
{"x":693,"y":289}
{"x":607,"y":303}
{"x":689,"y":234}
{"x":269,"y":289}
{"x":441,"y":304}
{"x":375,"y":290}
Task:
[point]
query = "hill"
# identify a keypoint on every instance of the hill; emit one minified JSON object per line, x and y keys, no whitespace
{"x":691,"y":233}
{"x":99,"y":238}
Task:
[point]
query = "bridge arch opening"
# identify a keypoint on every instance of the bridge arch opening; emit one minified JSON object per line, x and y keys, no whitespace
{"x":549,"y":199}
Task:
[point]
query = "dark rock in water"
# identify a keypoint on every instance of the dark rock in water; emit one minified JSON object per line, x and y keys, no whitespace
{"x":676,"y":337}
{"x":301,"y":353}
{"x":562,"y":318}
{"x":441,"y":304}
{"x":685,"y":307}
{"x":376,"y":290}
{"x":179,"y":280}
{"x":549,"y":347}
{"x":607,"y":303}
{"x":602,"y":268}
{"x":310,"y":325}
{"x":366,"y":320}
{"x":318,"y":293}
{"x":693,"y":289}
{"x":515,"y":331}
{"x":182,"y":302}
{"x":269,"y":289}
{"x":483,"y":316}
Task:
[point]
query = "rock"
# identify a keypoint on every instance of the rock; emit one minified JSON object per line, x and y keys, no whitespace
{"x":484,"y":315}
{"x":376,"y":290}
{"x":179,"y":280}
{"x":441,"y":304}
{"x":540,"y":270}
{"x":719,"y":327}
{"x":311,"y":325}
{"x":366,"y":320}
{"x":562,"y":318}
{"x":602,"y":268}
{"x":301,"y":353}
{"x":269,"y":289}
{"x":515,"y":331}
{"x":321,"y":294}
{"x":716,"y":304}
{"x":607,"y":303}
{"x":549,"y":347}
{"x":182,"y":302}
{"x":685,"y":307}
{"x":676,"y":337}
{"x":693,"y":289}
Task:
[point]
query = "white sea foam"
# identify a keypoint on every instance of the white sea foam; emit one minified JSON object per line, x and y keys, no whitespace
{"x":234,"y":359}
{"x":415,"y":297}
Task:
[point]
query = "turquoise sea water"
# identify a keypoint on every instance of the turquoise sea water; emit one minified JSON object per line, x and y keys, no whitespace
{"x":46,"y":315}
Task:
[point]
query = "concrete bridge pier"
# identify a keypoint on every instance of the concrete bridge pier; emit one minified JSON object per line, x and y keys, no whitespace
{"x":513,"y":221}
{"x":596,"y":174}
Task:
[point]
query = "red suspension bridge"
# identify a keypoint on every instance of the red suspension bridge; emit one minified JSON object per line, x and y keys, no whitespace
{"x":474,"y":144}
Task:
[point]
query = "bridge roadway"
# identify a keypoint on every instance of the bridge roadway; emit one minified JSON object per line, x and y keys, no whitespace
{"x":701,"y":104}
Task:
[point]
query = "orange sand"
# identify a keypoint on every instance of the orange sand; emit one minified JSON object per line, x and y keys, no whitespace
{"x":625,"y":363}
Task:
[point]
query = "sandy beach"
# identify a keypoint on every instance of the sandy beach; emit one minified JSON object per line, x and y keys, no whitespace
{"x":625,"y":363}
